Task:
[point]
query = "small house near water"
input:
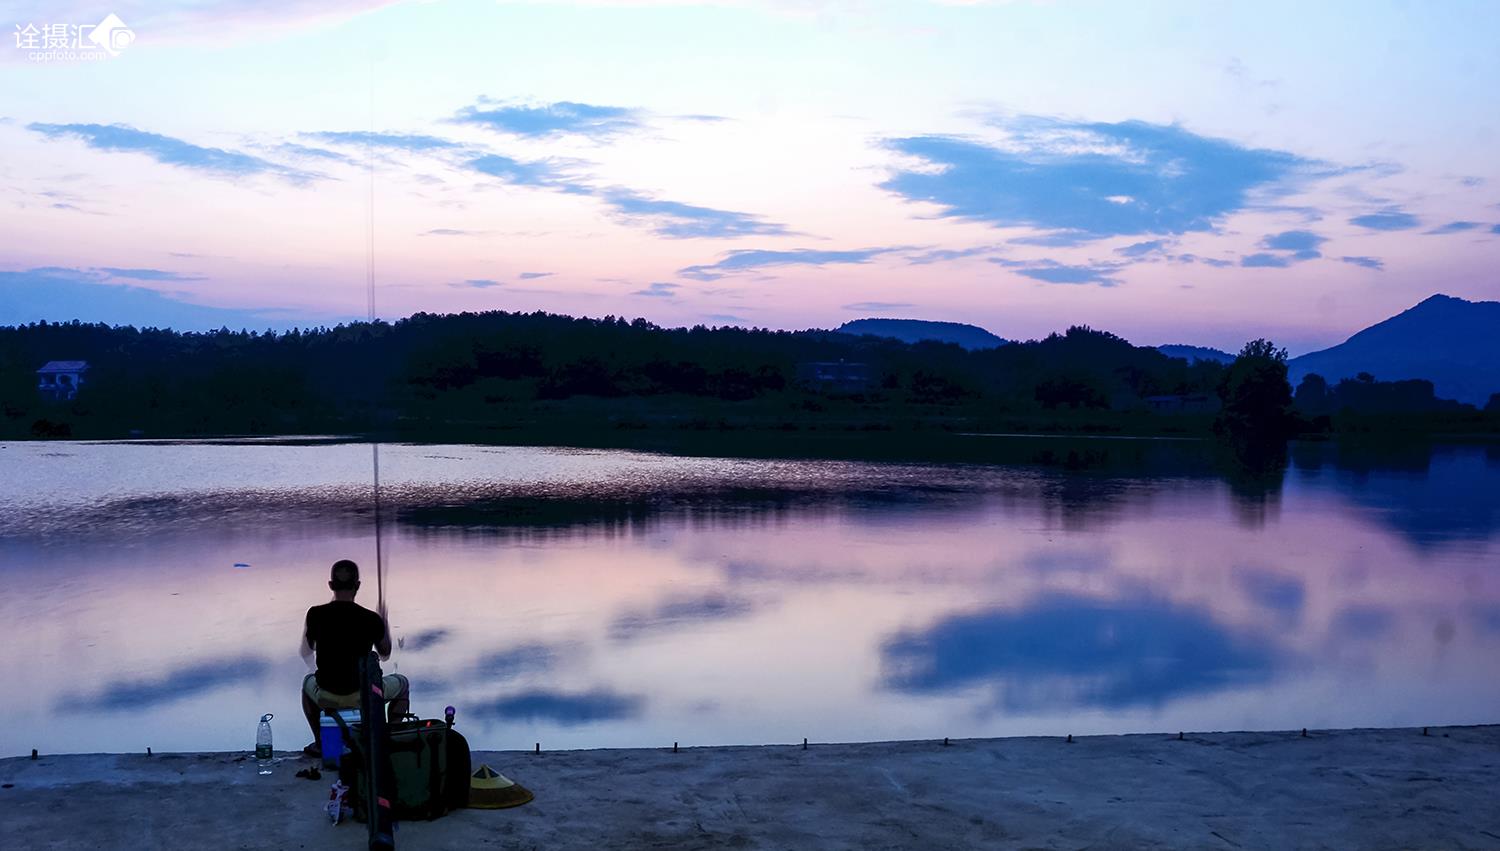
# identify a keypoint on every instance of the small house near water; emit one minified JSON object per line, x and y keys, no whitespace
{"x":1199,"y":403}
{"x":835,"y":376}
{"x":59,"y":380}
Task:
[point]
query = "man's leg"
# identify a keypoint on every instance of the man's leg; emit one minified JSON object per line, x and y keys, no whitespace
{"x":310,"y":707}
{"x":397,"y":695}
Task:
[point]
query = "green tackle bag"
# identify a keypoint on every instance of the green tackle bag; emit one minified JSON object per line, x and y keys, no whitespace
{"x":429,"y":762}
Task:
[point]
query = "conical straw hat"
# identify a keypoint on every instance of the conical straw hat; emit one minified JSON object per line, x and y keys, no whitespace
{"x":491,"y":790}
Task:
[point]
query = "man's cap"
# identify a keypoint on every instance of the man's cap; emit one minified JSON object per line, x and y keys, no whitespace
{"x":344,"y":575}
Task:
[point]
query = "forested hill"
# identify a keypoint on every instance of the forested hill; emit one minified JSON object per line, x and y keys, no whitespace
{"x":920,"y":330}
{"x":497,"y":367}
{"x":1452,"y":342}
{"x":1192,"y":353}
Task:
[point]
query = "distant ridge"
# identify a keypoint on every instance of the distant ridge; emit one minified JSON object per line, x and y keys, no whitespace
{"x":1192,"y":354}
{"x":1452,"y":342}
{"x":919,"y":330}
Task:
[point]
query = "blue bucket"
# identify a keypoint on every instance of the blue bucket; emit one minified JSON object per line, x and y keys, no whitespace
{"x":331,"y":736}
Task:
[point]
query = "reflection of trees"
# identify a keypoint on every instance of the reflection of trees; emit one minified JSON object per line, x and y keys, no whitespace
{"x":1426,"y":492}
{"x":1429,"y":493}
{"x":1255,"y":471}
{"x":1361,"y":457}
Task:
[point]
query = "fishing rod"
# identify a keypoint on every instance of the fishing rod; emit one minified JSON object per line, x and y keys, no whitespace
{"x":370,"y":303}
{"x":380,"y":789}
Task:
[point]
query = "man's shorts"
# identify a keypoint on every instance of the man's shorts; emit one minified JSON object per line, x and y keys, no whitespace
{"x":394,"y":686}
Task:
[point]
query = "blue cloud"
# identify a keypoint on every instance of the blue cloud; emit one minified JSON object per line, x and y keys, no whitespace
{"x":1495,"y":229}
{"x":1390,"y":218}
{"x":170,"y":151}
{"x":561,"y":708}
{"x":147,"y":274}
{"x":671,"y":219}
{"x":658,"y":289}
{"x":1094,"y":179}
{"x":942,"y":255}
{"x":1295,"y":245}
{"x":449,"y":232}
{"x":754,"y":258}
{"x":531,"y":276}
{"x":1293,"y":240}
{"x":397,"y":141}
{"x":56,"y":294}
{"x":1141,"y":249}
{"x":307,"y":152}
{"x":1455,"y":227}
{"x":1267,"y":261}
{"x":518,"y":172}
{"x":553,"y":119}
{"x":1057,"y":239}
{"x":685,"y":221}
{"x":1104,"y":654}
{"x":479,"y":283}
{"x":1052,"y":272}
{"x":1210,"y":261}
{"x":1368,"y":262}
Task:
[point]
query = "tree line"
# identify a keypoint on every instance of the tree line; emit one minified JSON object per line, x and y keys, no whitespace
{"x":502,"y":370}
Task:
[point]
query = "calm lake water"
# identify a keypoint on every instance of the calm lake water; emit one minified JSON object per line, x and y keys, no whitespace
{"x":153,"y":594}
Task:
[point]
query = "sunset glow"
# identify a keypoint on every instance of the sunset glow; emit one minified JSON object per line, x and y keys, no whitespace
{"x":1171,"y":172}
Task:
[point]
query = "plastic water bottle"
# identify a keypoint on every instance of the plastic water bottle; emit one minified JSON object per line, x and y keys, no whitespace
{"x":263,"y":744}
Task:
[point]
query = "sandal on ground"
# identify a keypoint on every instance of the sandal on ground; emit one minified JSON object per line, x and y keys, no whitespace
{"x":312,"y":750}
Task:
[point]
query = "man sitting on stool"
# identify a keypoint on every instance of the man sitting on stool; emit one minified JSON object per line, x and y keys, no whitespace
{"x":340,"y":633}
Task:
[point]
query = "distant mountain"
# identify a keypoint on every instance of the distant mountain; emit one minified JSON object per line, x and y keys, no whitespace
{"x":1452,"y":342}
{"x":916,"y":330}
{"x":1195,"y":353}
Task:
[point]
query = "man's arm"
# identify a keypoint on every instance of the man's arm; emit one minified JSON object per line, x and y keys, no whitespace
{"x":383,"y":646}
{"x":307,"y":647}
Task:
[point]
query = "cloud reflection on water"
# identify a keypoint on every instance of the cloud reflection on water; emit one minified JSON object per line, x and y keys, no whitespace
{"x":192,"y":680}
{"x":529,"y":658}
{"x":1278,"y":592}
{"x":1101,"y":592}
{"x":564,"y":708}
{"x":424,"y":640}
{"x":679,"y":611}
{"x":1067,"y":650}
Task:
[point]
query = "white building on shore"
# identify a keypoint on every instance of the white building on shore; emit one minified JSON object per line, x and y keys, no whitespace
{"x":59,"y":380}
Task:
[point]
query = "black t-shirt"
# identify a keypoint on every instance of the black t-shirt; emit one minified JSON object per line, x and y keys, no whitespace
{"x":342,"y":632}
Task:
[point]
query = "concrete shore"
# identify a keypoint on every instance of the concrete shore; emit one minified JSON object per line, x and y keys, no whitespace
{"x":1364,"y":789}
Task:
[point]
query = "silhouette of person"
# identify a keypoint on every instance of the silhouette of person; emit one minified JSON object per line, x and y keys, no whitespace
{"x":338,"y":634}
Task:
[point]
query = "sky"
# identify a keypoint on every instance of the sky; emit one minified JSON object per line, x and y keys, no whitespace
{"x":1173,"y":172}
